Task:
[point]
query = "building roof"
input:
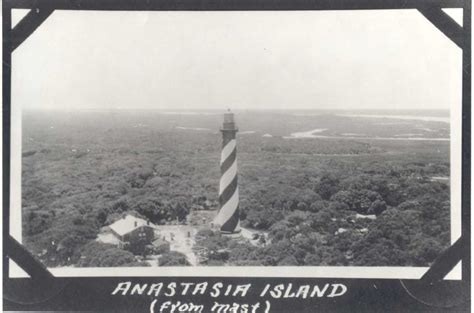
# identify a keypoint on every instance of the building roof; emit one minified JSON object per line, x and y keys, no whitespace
{"x":369,"y":216}
{"x":129,"y":223}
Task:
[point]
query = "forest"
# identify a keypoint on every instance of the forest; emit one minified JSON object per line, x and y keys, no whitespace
{"x":321,"y":201}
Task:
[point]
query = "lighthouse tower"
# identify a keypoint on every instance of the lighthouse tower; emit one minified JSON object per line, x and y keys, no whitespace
{"x":228,"y":217}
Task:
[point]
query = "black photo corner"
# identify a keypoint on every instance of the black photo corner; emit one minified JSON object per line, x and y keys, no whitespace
{"x":42,"y":291}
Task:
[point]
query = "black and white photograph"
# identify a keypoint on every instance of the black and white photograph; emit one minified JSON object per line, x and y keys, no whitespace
{"x":298,"y":143}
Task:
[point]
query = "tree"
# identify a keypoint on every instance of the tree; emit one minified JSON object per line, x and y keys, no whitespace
{"x":173,"y":258}
{"x":312,"y":259}
{"x":382,"y":252}
{"x":263,"y":218}
{"x":102,"y":216}
{"x":153,"y":209}
{"x":318,"y":206}
{"x":359,"y":200}
{"x":377,"y":207}
{"x":96,"y":254}
{"x":423,"y":251}
{"x":337,"y":206}
{"x":121,"y":205}
{"x":35,"y":223}
{"x":321,"y":220}
{"x":327,"y":186}
{"x":288,"y":261}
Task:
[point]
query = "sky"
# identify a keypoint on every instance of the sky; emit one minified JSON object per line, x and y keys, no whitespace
{"x":346,"y":60}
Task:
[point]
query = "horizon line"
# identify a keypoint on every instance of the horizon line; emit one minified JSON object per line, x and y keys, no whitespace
{"x":224,"y":110}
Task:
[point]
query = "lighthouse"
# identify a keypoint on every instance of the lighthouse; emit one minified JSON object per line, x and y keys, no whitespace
{"x":228,"y":216}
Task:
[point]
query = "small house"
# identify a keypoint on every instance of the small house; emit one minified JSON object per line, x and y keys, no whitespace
{"x":133,"y":233}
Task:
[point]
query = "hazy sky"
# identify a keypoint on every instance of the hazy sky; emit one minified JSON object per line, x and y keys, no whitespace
{"x":214,"y":60}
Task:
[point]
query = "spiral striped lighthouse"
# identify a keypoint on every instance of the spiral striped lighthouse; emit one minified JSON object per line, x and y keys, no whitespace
{"x":228,"y":216}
